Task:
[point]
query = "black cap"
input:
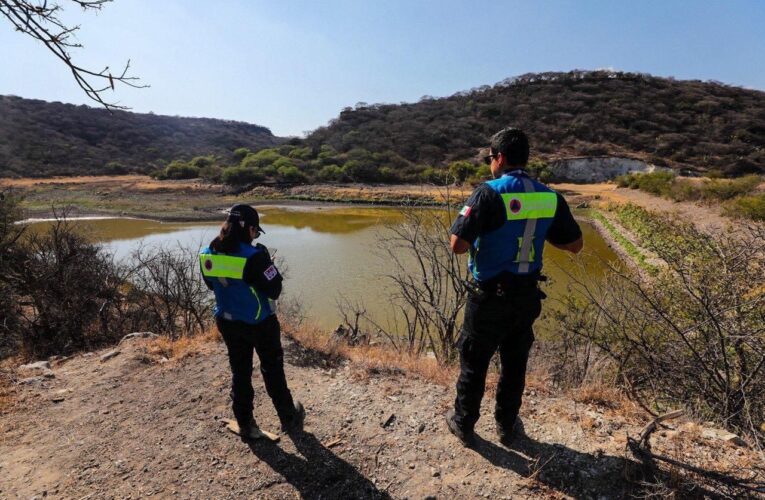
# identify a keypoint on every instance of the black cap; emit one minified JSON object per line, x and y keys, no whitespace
{"x":246,"y":214}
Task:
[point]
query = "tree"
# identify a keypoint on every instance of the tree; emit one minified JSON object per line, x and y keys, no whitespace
{"x":40,"y":20}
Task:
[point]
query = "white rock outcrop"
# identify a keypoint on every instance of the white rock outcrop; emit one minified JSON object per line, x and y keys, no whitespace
{"x":597,"y":168}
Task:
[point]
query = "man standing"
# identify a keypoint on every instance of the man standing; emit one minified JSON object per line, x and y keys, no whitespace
{"x":504,"y":226}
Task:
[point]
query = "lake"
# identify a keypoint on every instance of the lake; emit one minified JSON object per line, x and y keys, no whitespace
{"x":330,"y":251}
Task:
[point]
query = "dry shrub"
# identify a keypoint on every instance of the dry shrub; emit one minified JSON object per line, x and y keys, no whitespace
{"x":182,"y":347}
{"x":7,"y":392}
{"x":693,"y":336}
{"x":373,"y":358}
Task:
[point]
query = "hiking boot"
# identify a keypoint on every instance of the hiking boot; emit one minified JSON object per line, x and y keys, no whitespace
{"x":508,"y":436}
{"x":249,"y":431}
{"x":467,"y":438}
{"x":295,"y":423}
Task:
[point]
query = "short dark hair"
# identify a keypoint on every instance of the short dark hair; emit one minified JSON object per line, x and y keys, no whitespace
{"x":513,"y":144}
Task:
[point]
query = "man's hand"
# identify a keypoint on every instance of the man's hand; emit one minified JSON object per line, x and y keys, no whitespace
{"x":459,"y":246}
{"x":573,"y":247}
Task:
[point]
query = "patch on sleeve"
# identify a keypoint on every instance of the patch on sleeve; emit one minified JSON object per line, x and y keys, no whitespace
{"x":271,"y":272}
{"x":465,"y":210}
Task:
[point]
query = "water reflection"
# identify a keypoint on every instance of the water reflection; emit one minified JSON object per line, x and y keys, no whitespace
{"x":329,"y":251}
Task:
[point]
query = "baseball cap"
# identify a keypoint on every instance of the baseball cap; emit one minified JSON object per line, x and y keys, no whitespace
{"x":246,"y":214}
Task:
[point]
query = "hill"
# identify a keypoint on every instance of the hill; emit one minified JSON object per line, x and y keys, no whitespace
{"x":684,"y":124}
{"x":39,"y":139}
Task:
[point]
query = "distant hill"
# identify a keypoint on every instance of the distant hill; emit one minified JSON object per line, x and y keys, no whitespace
{"x":684,"y":124}
{"x":39,"y":138}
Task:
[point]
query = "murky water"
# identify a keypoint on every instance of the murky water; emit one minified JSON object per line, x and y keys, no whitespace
{"x":330,"y":252}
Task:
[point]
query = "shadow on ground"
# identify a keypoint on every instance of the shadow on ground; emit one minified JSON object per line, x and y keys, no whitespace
{"x":318,"y":473}
{"x":584,"y":475}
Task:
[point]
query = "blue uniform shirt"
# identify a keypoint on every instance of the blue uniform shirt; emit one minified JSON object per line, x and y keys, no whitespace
{"x":507,"y":221}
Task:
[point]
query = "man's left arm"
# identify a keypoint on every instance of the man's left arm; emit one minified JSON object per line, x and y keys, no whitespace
{"x":478,"y":216}
{"x":564,"y":232}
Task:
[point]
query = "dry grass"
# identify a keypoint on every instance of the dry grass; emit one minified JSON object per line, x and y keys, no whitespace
{"x":7,"y":392}
{"x":373,"y":358}
{"x":182,"y":348}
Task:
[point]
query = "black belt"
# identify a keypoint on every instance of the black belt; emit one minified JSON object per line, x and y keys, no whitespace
{"x":511,"y":284}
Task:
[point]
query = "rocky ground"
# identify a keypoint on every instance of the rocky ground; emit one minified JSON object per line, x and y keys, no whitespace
{"x":129,"y":425}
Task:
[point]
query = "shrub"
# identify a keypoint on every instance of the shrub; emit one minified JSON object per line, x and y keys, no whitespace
{"x":330,"y":173}
{"x":291,"y":173}
{"x":750,"y":207}
{"x":435,"y":176}
{"x":726,"y":189}
{"x":260,"y":159}
{"x":300,"y":153}
{"x":237,"y":176}
{"x":180,"y":170}
{"x":462,"y":170}
{"x":65,"y":280}
{"x":115,"y":168}
{"x":211,"y":173}
{"x":201,"y":162}
{"x":691,"y":336}
{"x":240,"y":153}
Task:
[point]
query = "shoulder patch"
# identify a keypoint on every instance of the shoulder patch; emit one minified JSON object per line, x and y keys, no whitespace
{"x":271,"y":272}
{"x":465,"y":210}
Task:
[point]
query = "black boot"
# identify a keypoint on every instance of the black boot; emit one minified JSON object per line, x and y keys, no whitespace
{"x":508,"y":436}
{"x":294,"y":423}
{"x":466,"y":437}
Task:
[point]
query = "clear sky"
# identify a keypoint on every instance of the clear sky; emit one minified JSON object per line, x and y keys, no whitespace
{"x":293,"y":65}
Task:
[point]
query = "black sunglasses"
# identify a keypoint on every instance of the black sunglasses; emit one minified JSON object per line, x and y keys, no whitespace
{"x":487,"y":158}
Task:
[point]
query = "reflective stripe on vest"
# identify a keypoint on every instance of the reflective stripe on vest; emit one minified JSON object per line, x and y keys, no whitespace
{"x":222,"y":266}
{"x":529,"y":205}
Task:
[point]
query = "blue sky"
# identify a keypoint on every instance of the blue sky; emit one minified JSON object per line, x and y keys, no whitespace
{"x":293,"y":65}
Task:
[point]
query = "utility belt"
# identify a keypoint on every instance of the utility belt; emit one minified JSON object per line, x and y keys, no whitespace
{"x":508,"y":284}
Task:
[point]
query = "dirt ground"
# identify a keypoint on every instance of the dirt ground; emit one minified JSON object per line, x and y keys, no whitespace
{"x":706,"y":217}
{"x":132,"y":427}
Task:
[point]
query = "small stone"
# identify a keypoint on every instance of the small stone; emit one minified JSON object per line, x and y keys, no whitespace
{"x":421,"y":428}
{"x":436,"y":473}
{"x":109,"y":355}
{"x":37,"y":368}
{"x":412,"y":466}
{"x":138,"y":335}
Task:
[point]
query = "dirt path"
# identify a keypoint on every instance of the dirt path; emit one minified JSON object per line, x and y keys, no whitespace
{"x":708,"y":218}
{"x":130,"y":427}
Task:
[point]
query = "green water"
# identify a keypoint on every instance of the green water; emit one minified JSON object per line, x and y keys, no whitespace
{"x":329,"y":251}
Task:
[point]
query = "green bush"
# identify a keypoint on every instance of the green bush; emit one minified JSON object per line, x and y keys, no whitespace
{"x":238,"y":176}
{"x":260,"y":159}
{"x":750,"y":207}
{"x":115,"y":168}
{"x":331,"y":173}
{"x":202,"y":161}
{"x":726,"y":189}
{"x":241,"y":153}
{"x":540,"y":170}
{"x":211,"y":173}
{"x":300,"y":153}
{"x":436,"y":176}
{"x":291,"y":174}
{"x":181,"y":170}
{"x":462,"y":170}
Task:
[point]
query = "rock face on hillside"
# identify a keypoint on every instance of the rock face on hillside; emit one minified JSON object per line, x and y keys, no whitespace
{"x":129,"y":426}
{"x":596,"y":168}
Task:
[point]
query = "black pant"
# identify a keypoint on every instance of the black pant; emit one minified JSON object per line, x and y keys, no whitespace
{"x":495,"y":323}
{"x":264,"y":337}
